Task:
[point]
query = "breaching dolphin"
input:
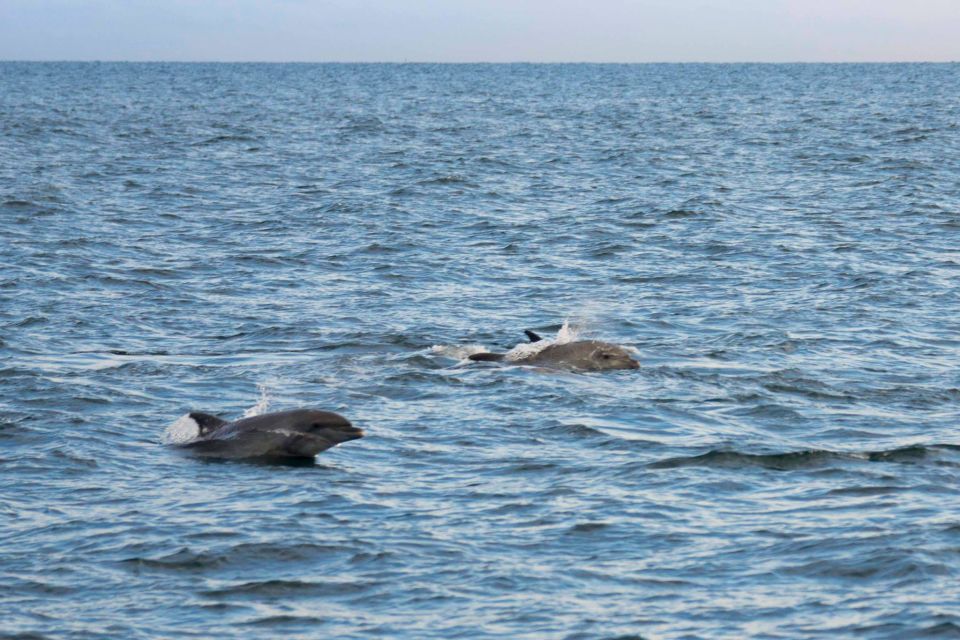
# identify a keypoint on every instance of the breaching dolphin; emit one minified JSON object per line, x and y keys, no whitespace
{"x":586,"y":355}
{"x":300,"y":433}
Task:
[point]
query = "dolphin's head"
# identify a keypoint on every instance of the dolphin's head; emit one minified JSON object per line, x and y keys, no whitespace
{"x":328,"y":426}
{"x":611,"y":356}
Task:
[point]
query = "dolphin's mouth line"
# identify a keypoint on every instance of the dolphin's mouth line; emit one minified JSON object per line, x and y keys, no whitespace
{"x":353,"y":431}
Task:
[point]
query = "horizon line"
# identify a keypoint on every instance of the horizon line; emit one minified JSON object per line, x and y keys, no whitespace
{"x":473,"y":62}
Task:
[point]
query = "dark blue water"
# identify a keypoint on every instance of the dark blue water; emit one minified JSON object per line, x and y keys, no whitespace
{"x":781,"y":244}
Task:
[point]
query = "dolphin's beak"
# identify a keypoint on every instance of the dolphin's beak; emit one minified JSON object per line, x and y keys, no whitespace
{"x":345,"y":432}
{"x":634,"y":364}
{"x":333,"y":427}
{"x":336,"y":430}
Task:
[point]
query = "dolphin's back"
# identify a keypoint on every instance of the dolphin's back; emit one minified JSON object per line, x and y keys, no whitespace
{"x":588,"y":355}
{"x":566,"y":353}
{"x":486,"y":357}
{"x":291,"y":422}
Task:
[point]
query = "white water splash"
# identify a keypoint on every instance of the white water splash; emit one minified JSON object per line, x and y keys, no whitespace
{"x":183,"y":430}
{"x":567,"y":333}
{"x":458,"y":352}
{"x":262,"y":404}
{"x":527,"y":349}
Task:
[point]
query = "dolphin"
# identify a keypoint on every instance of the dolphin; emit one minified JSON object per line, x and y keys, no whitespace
{"x":585,"y":355}
{"x":299,"y":433}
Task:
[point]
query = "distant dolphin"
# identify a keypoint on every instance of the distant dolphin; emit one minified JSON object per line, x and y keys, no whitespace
{"x":300,"y":433}
{"x":587,"y":355}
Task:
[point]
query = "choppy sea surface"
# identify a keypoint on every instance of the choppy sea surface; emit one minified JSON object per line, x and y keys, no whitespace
{"x":780,"y":244}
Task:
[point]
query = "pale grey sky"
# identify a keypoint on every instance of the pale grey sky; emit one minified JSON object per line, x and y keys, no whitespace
{"x":482,"y":30}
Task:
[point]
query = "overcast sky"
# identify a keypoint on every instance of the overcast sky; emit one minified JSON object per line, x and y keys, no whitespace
{"x":481,"y":30}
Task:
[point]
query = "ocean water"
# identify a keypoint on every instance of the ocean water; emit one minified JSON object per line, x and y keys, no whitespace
{"x":780,"y":244}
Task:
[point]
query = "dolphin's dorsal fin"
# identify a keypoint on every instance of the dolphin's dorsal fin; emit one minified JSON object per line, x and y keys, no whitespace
{"x":533,"y":337}
{"x":486,"y":357}
{"x":206,"y":422}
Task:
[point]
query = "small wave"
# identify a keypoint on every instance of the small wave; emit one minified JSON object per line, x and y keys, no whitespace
{"x":737,"y":460}
{"x":866,"y":491}
{"x":676,"y":214}
{"x":224,"y":138}
{"x":588,"y":527}
{"x":377,"y":247}
{"x":279,"y":620}
{"x":493,"y":161}
{"x":453,"y":178}
{"x":609,"y":250}
{"x":577,"y":429}
{"x":362,"y":124}
{"x":74,"y":459}
{"x":888,"y":564}
{"x":800,"y":459}
{"x":20,"y":586}
{"x":184,"y":559}
{"x":531,"y":466}
{"x":240,"y":555}
{"x":30,"y":321}
{"x":290,"y":588}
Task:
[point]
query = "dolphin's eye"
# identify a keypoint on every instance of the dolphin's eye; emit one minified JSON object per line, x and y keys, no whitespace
{"x":606,"y":356}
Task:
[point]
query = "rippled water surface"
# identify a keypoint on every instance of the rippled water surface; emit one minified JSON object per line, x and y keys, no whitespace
{"x":780,"y":244}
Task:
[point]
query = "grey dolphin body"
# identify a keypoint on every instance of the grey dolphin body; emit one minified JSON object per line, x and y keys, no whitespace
{"x":300,"y":433}
{"x":587,"y":355}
